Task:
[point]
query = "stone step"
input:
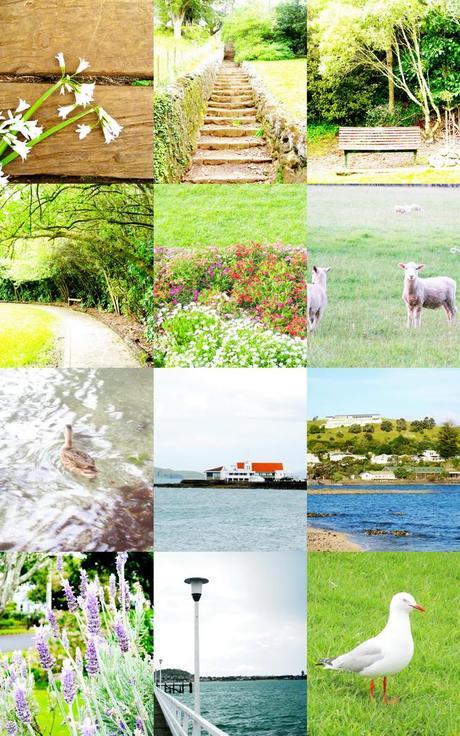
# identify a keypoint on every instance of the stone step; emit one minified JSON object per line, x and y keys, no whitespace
{"x":225,"y":175}
{"x":229,"y":131}
{"x":241,"y":101}
{"x":223,"y":112}
{"x":234,"y":120}
{"x":214,"y":143}
{"x":243,"y":156}
{"x":233,"y":105}
{"x":232,"y":91}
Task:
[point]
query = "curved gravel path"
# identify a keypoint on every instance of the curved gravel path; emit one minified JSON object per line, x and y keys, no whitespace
{"x":16,"y":642}
{"x":84,"y":342}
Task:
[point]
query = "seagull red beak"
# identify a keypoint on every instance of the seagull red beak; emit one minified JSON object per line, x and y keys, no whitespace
{"x":419,"y":608}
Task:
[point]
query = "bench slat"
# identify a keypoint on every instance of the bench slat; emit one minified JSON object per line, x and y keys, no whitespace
{"x":115,"y":36}
{"x":64,"y":155}
{"x":384,"y":138}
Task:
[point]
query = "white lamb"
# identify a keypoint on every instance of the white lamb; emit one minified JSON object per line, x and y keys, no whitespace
{"x":431,"y":293}
{"x":317,"y":296}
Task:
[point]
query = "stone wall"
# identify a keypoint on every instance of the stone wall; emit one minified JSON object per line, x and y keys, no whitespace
{"x":178,"y":114}
{"x":286,"y":136}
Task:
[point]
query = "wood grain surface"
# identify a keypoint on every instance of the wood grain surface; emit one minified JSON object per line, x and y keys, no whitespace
{"x":115,"y":36}
{"x":64,"y":156}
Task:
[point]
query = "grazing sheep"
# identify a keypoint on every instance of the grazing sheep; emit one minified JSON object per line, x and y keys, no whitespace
{"x":430,"y":293}
{"x":405,"y":209}
{"x":317,"y":296}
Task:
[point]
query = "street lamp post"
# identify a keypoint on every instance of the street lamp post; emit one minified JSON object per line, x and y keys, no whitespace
{"x":159,"y":682}
{"x":197,"y":587}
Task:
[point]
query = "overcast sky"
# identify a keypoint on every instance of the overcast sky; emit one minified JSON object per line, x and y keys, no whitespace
{"x":252,"y":612}
{"x":205,"y":418}
{"x":409,"y":392}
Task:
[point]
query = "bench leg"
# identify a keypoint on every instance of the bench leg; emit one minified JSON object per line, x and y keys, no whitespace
{"x":414,"y":160}
{"x":346,"y":159}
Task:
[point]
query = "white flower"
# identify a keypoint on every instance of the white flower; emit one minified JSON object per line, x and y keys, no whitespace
{"x":21,"y":148}
{"x":82,"y":66}
{"x":65,"y":110}
{"x":66,"y":86}
{"x":61,"y":60}
{"x":83,"y":131}
{"x":110,"y":127}
{"x":3,"y":178}
{"x":84,"y":93}
{"x":31,"y":129}
{"x":23,"y":105}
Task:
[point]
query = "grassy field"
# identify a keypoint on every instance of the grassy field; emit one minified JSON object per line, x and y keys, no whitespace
{"x":26,"y":336}
{"x":348,"y":597}
{"x":287,"y":81}
{"x":226,"y":214}
{"x":49,"y":721}
{"x":378,"y":434}
{"x":356,"y":232}
{"x":392,"y":176}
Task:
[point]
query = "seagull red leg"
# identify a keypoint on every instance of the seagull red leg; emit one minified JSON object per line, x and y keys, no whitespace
{"x":385,"y":699}
{"x":371,"y":690}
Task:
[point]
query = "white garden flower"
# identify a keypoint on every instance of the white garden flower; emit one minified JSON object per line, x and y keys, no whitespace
{"x":65,"y":110}
{"x":110,"y":127}
{"x":3,"y":179}
{"x":23,"y":105}
{"x":82,"y":66}
{"x":83,"y":130}
{"x":84,"y":93}
{"x":21,"y":148}
{"x":66,"y":86}
{"x":28,"y":128}
{"x":61,"y":60}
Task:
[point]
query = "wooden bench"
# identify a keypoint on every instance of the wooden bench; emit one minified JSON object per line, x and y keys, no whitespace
{"x":70,"y":301}
{"x":115,"y":36}
{"x":368,"y":140}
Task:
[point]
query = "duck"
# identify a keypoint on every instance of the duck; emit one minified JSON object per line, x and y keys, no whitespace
{"x":75,"y":460}
{"x":385,"y":654}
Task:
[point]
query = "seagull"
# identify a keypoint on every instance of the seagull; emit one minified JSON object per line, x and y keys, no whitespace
{"x":385,"y":654}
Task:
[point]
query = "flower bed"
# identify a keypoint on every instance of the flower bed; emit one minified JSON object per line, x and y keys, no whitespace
{"x":240,"y":306}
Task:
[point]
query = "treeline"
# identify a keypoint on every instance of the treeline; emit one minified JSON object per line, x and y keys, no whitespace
{"x":88,"y":242}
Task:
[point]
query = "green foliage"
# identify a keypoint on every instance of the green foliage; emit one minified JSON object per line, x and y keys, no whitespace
{"x":440,"y":47}
{"x":386,"y":426}
{"x":448,"y":441}
{"x":355,"y":429}
{"x":291,"y":25}
{"x":403,"y":115}
{"x":255,"y":36}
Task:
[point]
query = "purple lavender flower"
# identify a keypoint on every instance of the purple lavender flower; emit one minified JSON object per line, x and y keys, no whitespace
{"x":59,"y":562}
{"x":83,"y":583}
{"x":72,"y":603}
{"x":121,"y":562}
{"x":92,"y":662}
{"x":140,"y":725}
{"x":69,"y":685}
{"x":50,"y":615}
{"x":22,"y":707}
{"x":121,"y":635}
{"x":11,"y":728}
{"x":127,"y":596}
{"x":47,"y":661}
{"x":92,"y":610}
{"x":88,"y":729}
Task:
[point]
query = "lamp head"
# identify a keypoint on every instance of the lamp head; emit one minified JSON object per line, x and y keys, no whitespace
{"x":197,"y":586}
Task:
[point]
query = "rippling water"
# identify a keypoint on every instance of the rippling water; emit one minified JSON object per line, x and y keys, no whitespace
{"x":222,"y":519}
{"x":255,"y":707}
{"x":431,"y":515}
{"x":45,"y":507}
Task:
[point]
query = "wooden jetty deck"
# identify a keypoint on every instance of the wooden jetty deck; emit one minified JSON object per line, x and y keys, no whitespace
{"x":161,"y":728}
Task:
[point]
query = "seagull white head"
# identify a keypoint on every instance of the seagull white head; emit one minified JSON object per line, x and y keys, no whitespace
{"x":405,"y":602}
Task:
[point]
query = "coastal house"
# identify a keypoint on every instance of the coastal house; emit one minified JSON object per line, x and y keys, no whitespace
{"x":431,"y":456}
{"x":337,"y":457}
{"x":385,"y":474}
{"x":346,"y":420}
{"x":312,"y":459}
{"x":383,"y":459}
{"x":247,"y":471}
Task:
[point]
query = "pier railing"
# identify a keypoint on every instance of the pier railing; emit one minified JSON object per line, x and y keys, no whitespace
{"x":182,"y":720}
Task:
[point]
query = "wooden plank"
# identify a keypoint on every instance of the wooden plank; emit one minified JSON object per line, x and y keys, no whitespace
{"x":115,"y":36}
{"x":64,"y":155}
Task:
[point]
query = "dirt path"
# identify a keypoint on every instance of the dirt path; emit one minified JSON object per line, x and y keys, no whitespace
{"x":86,"y":343}
{"x":230,"y":151}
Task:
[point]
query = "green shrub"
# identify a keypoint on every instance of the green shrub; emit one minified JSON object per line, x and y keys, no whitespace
{"x":403,"y":115}
{"x":291,"y":25}
{"x":255,"y":36}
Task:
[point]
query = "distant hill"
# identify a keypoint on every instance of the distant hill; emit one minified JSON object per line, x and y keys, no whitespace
{"x":175,"y":675}
{"x":169,"y":473}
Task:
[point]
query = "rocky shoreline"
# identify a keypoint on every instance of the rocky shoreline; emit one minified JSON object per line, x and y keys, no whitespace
{"x":323,"y":540}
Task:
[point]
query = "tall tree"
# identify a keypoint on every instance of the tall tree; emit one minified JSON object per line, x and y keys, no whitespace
{"x":448,"y":440}
{"x":17,"y":568}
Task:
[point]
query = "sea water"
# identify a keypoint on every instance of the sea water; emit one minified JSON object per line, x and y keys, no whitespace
{"x":254,"y":707}
{"x":224,"y":519}
{"x":430,"y":513}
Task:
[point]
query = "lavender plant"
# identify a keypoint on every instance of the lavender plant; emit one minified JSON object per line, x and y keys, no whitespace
{"x":104,"y":690}
{"x":19,"y":134}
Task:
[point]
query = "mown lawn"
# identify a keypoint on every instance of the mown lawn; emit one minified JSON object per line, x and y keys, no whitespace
{"x":49,"y":720}
{"x":287,"y":81}
{"x":226,"y":214}
{"x":392,"y":176}
{"x":348,"y":598}
{"x":355,"y":231}
{"x":27,"y":336}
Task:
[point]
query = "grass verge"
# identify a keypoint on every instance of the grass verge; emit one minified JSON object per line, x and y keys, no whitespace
{"x":356,"y":231}
{"x":49,"y":717}
{"x":287,"y":82}
{"x":349,"y":594}
{"x":27,"y":336}
{"x":220,"y":214}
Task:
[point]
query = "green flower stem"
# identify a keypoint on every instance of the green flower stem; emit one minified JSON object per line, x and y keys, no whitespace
{"x":48,"y":133}
{"x":31,"y":110}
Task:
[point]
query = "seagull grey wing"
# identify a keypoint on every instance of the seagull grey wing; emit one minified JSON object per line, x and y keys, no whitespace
{"x":360,"y":658}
